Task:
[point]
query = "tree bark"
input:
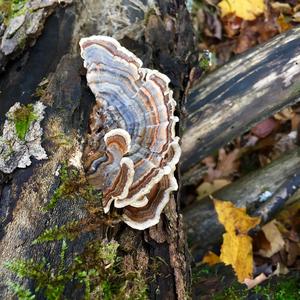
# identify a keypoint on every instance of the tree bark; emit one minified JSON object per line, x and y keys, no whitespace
{"x":163,"y":38}
{"x":232,"y":99}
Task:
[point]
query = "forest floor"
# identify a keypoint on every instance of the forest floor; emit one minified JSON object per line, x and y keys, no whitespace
{"x":228,"y":28}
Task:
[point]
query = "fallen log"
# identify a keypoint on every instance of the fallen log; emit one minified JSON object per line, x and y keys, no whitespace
{"x":230,"y":100}
{"x":203,"y":229}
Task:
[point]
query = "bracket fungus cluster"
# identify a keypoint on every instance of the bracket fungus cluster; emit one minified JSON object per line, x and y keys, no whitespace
{"x":131,"y":151}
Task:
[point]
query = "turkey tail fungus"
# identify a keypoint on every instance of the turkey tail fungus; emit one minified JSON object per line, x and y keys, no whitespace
{"x":131,"y":151}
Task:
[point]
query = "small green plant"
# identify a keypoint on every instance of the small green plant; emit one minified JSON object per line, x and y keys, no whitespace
{"x":22,"y":118}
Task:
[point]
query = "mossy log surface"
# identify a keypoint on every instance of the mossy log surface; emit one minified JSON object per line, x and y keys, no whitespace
{"x":232,"y":99}
{"x":163,"y":39}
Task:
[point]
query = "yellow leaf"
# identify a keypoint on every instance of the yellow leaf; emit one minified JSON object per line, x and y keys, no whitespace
{"x":245,"y":9}
{"x":237,"y":245}
{"x":211,"y":258}
{"x":283,"y":24}
{"x":207,"y":188}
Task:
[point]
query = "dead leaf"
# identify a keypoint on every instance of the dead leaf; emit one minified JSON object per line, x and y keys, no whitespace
{"x":246,"y":9}
{"x":209,"y":161}
{"x":274,"y":236}
{"x":295,"y":121}
{"x":232,"y":25}
{"x":296,"y":8}
{"x":296,"y":17}
{"x":207,"y":188}
{"x":237,"y":245}
{"x":225,"y":168}
{"x":285,"y":115}
{"x":228,"y":163}
{"x":211,"y":258}
{"x":283,"y":8}
{"x":251,"y":283}
{"x":283,"y":24}
{"x":264,"y":128}
{"x":293,"y":252}
{"x":281,"y":269}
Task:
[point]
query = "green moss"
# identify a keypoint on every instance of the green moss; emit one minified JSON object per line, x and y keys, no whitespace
{"x":20,"y":292}
{"x":235,"y":292}
{"x":97,"y":271}
{"x":12,"y":8}
{"x":22,"y":118}
{"x":280,"y":288}
{"x":73,"y":185}
{"x":68,"y":231}
{"x":285,"y":289}
{"x":48,"y":281}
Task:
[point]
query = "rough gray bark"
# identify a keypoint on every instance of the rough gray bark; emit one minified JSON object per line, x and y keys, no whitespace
{"x":201,"y":221}
{"x":162,"y":41}
{"x":230,"y":100}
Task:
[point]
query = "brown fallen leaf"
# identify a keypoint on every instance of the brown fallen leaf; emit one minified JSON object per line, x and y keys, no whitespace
{"x":228,"y":163}
{"x":236,"y":249}
{"x":285,"y":115}
{"x":225,"y":168}
{"x":264,"y":128}
{"x":274,"y":236}
{"x":281,"y":269}
{"x":256,"y":32}
{"x":284,"y":8}
{"x":232,"y":25}
{"x":296,"y":17}
{"x":296,"y":8}
{"x":293,"y":252}
{"x":295,"y":121}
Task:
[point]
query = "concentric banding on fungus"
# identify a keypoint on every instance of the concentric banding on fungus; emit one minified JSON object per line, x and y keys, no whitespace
{"x":131,"y":150}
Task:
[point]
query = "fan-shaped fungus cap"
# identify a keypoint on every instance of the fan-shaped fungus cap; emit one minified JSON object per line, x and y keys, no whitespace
{"x":132,"y":150}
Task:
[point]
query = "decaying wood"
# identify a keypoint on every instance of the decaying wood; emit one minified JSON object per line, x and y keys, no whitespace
{"x":269,"y":208}
{"x":230,"y":100}
{"x":163,"y":39}
{"x":201,"y":222}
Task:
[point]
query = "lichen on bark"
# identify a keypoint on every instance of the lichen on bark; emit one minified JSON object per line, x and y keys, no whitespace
{"x":21,"y":138}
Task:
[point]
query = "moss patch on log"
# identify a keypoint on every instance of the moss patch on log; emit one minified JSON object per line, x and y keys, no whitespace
{"x":23,"y":117}
{"x":97,"y":271}
{"x":12,"y":8}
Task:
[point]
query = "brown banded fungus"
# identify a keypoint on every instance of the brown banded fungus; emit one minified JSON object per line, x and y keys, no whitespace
{"x":131,"y":150}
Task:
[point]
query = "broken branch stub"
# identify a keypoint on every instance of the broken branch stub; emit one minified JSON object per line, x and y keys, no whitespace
{"x":131,"y":150}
